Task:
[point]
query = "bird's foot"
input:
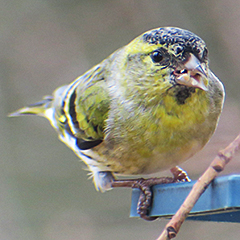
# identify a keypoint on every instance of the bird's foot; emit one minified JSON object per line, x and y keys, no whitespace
{"x":180,"y":175}
{"x":145,"y":185}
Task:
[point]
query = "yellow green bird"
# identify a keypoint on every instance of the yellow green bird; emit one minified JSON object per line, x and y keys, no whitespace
{"x":149,"y":106}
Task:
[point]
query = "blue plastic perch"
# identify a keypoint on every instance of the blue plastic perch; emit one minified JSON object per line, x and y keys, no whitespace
{"x":220,"y":202}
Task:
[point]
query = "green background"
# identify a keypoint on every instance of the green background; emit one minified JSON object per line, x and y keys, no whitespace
{"x":44,"y":193}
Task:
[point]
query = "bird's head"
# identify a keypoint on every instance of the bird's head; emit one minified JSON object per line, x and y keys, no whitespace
{"x":167,"y":57}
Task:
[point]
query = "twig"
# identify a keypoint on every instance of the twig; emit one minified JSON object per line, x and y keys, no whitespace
{"x":223,"y":157}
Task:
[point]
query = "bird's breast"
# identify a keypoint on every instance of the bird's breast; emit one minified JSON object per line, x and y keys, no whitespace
{"x":147,"y":140}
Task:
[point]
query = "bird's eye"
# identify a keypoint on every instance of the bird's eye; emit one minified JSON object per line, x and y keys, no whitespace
{"x":157,"y":56}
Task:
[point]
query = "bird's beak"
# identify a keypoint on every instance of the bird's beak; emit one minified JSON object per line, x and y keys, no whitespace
{"x":192,"y":74}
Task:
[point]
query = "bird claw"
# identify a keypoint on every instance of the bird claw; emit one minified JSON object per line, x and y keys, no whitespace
{"x":145,"y":198}
{"x":145,"y":185}
{"x":180,"y":175}
{"x":144,"y":203}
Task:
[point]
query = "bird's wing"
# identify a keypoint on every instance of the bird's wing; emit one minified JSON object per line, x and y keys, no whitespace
{"x":77,"y":110}
{"x":84,"y":109}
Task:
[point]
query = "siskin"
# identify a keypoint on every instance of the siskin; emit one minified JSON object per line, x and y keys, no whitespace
{"x":149,"y":106}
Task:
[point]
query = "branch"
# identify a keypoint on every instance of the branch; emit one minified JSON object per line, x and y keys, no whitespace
{"x":218,"y":164}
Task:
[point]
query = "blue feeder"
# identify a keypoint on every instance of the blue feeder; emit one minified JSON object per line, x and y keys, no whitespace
{"x":220,"y":202}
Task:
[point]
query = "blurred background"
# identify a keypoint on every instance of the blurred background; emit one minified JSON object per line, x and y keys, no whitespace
{"x":44,"y":193}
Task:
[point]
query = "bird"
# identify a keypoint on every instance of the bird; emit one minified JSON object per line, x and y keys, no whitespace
{"x":147,"y":107}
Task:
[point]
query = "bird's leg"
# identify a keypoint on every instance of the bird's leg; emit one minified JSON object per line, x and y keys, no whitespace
{"x":180,"y":175}
{"x":145,"y":185}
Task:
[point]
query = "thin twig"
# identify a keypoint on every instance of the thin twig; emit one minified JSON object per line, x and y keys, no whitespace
{"x":223,"y":157}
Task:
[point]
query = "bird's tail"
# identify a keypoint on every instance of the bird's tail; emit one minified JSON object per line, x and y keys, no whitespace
{"x":37,"y":108}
